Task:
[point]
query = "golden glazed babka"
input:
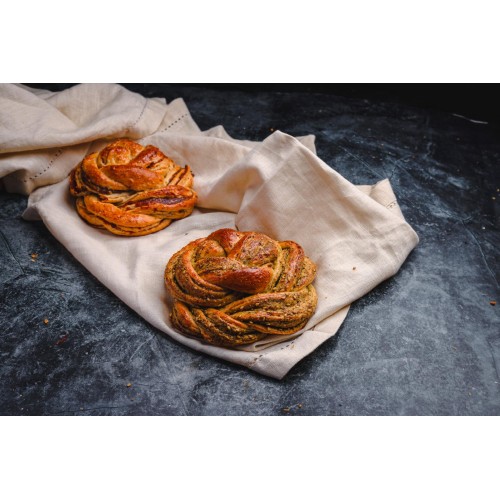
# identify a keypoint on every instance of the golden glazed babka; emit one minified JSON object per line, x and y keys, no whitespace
{"x":234,"y":288}
{"x":131,"y":190}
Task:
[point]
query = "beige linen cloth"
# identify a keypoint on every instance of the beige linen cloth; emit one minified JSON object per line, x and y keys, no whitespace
{"x":356,"y":234}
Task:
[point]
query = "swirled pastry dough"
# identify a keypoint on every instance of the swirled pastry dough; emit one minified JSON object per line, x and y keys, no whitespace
{"x":131,"y":190}
{"x":234,"y":288}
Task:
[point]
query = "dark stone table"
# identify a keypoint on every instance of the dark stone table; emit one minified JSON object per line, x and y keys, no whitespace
{"x":425,"y":342}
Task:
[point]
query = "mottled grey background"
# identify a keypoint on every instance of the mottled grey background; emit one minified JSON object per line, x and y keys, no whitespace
{"x":425,"y":342}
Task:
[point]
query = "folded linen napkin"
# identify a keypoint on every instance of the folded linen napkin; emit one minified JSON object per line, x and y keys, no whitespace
{"x":355,"y":234}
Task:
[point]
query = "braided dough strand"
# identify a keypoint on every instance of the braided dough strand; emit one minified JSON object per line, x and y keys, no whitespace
{"x":233,"y":288}
{"x":131,"y":190}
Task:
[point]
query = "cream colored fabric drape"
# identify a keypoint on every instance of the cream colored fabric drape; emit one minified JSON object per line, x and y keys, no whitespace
{"x":356,"y":234}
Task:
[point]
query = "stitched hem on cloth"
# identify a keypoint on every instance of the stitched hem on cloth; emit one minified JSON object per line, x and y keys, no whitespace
{"x":56,"y":155}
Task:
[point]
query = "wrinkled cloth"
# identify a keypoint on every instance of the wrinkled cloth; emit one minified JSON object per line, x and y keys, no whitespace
{"x":356,"y":235}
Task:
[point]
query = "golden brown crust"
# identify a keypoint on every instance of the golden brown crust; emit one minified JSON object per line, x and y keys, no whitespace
{"x":233,"y":288}
{"x":131,"y":190}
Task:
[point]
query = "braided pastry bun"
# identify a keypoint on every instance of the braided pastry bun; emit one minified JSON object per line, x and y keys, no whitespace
{"x":234,"y":288}
{"x":131,"y":190}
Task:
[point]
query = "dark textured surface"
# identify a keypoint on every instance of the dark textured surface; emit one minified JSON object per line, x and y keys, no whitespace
{"x":426,"y":342}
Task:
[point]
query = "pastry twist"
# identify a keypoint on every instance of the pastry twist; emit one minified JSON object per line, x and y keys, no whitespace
{"x":233,"y":288}
{"x":131,"y":190}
